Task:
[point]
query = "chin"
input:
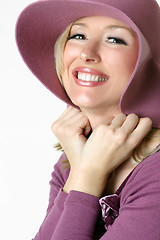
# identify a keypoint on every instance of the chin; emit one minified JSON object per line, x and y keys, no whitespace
{"x":85,"y":103}
{"x":79,"y":102}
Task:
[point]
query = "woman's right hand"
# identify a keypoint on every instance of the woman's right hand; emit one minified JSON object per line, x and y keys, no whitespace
{"x":71,"y":129}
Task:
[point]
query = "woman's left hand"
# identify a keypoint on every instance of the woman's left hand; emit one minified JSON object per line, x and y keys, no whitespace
{"x":106,"y":148}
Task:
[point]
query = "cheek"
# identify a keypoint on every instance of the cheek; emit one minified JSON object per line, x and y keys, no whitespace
{"x":123,"y":62}
{"x":67,"y":56}
{"x":131,"y":60}
{"x":71,"y":52}
{"x":70,"y":60}
{"x":131,"y":56}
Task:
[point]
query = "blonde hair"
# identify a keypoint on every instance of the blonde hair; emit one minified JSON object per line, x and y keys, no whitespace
{"x":149,"y":145}
{"x":58,"y":51}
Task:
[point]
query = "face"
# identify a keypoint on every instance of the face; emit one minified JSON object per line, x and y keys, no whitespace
{"x":99,"y":58}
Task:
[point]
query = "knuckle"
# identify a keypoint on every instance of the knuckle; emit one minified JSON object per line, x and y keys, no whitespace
{"x":111,"y":131}
{"x":56,"y":129}
{"x":54,"y":126}
{"x":122,"y":115}
{"x":123,"y":133}
{"x":134,"y":116}
{"x":122,"y":136}
{"x":132,"y":143}
{"x":59,"y":129}
{"x":148,"y":121}
{"x":84,"y":119}
{"x":67,"y":130}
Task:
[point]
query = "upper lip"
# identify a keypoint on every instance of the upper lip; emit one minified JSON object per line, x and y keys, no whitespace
{"x":89,"y":71}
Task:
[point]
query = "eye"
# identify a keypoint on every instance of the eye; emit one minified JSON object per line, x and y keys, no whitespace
{"x":77,"y":37}
{"x":114,"y":40}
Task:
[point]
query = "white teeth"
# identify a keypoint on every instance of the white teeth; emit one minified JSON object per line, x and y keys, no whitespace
{"x":89,"y":77}
{"x":83,"y":77}
{"x":92,"y":78}
{"x":96,"y":79}
{"x":79,"y":76}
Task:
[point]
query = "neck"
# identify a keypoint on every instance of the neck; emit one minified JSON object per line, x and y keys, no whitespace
{"x":100,"y":116}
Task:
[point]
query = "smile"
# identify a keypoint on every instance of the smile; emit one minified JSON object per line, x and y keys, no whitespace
{"x":88,"y":77}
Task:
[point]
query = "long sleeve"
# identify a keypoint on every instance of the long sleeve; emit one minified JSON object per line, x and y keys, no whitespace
{"x":79,"y":217}
{"x":56,"y":201}
{"x":139,"y":212}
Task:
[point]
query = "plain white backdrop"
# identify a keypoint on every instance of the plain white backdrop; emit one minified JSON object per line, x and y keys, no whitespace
{"x":27,"y":157}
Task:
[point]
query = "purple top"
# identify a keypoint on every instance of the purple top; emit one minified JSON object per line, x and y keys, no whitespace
{"x":133,"y":212}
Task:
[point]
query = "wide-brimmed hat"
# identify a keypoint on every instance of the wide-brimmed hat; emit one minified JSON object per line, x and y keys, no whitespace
{"x":40,"y":24}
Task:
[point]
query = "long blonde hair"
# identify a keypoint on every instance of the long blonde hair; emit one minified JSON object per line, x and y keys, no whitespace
{"x":58,"y":51}
{"x":149,"y":145}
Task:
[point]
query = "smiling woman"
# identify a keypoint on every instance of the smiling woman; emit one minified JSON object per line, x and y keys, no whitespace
{"x":99,"y":60}
{"x":108,"y":74}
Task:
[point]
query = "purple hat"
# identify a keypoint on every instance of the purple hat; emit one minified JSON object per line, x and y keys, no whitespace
{"x":40,"y":24}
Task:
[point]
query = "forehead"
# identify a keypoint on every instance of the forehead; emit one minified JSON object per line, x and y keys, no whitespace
{"x":99,"y":18}
{"x":98,"y":21}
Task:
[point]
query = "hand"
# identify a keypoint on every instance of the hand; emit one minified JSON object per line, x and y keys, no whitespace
{"x":71,"y":130}
{"x":94,"y":159}
{"x":107,"y":147}
{"x":111,"y":144}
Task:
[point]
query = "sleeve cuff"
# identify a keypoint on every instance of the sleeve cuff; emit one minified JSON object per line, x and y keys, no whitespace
{"x":60,"y":199}
{"x":82,"y":198}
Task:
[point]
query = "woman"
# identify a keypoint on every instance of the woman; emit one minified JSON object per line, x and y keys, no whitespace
{"x":107,"y":61}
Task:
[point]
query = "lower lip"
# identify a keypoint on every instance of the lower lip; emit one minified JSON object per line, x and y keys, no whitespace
{"x":87,"y":83}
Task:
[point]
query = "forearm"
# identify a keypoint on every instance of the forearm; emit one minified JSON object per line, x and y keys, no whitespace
{"x":79,"y":217}
{"x":86,"y":181}
{"x":50,"y":222}
{"x":76,"y":213}
{"x":56,"y":201}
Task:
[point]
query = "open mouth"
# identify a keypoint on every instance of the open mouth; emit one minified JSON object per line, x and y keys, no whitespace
{"x":90,"y":77}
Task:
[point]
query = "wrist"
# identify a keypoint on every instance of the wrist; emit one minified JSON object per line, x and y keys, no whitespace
{"x":86,"y":181}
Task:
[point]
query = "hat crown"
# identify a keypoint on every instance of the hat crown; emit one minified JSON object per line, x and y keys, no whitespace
{"x":40,"y":24}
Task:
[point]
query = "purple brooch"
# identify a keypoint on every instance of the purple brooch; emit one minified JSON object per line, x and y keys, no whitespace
{"x":110,"y":208}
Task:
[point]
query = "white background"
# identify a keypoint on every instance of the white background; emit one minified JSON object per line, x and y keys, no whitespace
{"x":27,"y":157}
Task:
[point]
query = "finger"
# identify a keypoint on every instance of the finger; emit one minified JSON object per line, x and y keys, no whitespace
{"x":118,"y":120}
{"x":65,"y":116}
{"x":82,"y":125}
{"x":130,"y":123}
{"x":75,"y":123}
{"x":142,"y":129}
{"x":87,"y":129}
{"x":69,"y":112}
{"x":78,"y":119}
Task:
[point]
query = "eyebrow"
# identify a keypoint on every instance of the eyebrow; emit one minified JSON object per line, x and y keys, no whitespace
{"x":110,"y":27}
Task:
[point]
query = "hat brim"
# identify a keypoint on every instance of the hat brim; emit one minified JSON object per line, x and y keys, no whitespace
{"x":39,"y":26}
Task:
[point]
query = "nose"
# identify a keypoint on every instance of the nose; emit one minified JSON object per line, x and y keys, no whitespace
{"x":90,"y":53}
